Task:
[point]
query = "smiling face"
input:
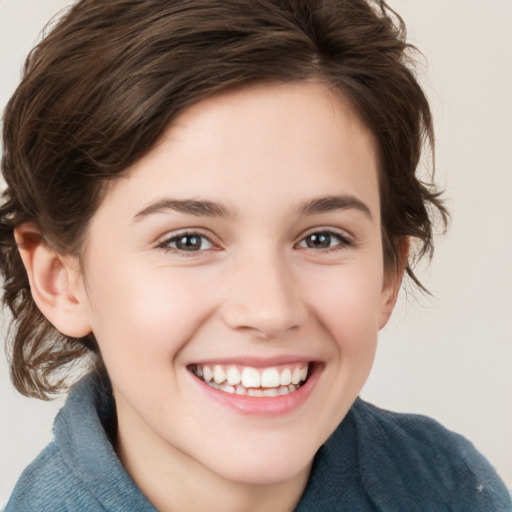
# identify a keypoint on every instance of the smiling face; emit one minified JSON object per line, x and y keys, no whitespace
{"x":242,"y":253}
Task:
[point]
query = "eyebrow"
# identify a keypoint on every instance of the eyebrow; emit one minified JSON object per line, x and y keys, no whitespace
{"x":206,"y":208}
{"x":329,"y":203}
{"x":199,"y":208}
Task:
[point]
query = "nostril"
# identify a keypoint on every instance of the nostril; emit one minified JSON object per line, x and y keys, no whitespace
{"x":262,"y":321}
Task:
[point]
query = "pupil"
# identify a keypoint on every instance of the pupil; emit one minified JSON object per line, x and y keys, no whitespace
{"x":319,"y":240}
{"x":189,"y":243}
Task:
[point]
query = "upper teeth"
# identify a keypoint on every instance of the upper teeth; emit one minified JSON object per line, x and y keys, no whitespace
{"x":250,"y":377}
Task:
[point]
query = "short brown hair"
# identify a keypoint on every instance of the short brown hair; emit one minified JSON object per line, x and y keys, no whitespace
{"x":103,"y":85}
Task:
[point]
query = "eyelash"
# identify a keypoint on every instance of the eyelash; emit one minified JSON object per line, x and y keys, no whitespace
{"x":343,"y":241}
{"x":166,"y":243}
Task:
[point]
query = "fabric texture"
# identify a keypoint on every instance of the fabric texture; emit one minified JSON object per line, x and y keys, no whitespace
{"x":376,"y":460}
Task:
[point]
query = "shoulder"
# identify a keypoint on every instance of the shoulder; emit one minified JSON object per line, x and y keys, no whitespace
{"x":47,"y":484}
{"x":79,"y":470}
{"x":425,"y":463}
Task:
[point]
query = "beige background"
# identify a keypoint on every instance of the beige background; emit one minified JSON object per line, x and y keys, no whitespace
{"x":449,"y":357}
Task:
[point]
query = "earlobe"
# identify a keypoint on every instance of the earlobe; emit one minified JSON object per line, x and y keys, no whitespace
{"x":392,"y":283}
{"x":53,"y":282}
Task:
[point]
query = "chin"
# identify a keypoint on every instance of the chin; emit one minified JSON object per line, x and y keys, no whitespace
{"x":264,"y":473}
{"x":253,"y":464}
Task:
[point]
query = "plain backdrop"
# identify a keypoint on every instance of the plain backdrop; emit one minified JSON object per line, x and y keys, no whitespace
{"x":448,"y":357}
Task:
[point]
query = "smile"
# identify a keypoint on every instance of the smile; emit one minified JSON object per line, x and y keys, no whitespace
{"x":255,"y":382}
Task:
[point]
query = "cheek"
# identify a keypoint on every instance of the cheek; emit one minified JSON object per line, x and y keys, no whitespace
{"x":348,"y":303}
{"x":145,"y":320}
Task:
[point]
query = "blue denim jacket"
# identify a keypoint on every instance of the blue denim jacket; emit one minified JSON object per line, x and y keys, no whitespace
{"x":376,"y":460}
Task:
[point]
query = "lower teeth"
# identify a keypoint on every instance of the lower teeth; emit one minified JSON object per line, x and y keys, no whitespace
{"x":255,"y":392}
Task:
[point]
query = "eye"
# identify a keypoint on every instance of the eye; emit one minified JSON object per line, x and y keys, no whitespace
{"x":187,"y":242}
{"x":324,"y":240}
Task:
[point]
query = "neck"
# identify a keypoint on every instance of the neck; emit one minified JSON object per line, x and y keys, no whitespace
{"x":175,"y":482}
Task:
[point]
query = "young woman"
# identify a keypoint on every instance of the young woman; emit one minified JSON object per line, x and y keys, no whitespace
{"x":214,"y":203}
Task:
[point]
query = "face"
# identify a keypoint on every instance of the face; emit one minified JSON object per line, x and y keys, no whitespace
{"x":234,"y":281}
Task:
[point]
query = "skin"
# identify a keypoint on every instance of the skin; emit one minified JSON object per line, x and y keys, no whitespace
{"x":254,"y":289}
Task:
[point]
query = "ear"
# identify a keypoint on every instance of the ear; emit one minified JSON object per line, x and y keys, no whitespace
{"x":55,"y":282}
{"x":392,"y":282}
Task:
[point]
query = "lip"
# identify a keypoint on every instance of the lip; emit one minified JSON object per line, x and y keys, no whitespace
{"x":256,"y":362}
{"x":262,"y":406}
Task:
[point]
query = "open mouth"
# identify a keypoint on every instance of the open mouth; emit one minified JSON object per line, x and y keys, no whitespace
{"x":249,"y":381}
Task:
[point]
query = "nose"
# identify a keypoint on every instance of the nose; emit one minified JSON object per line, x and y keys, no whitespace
{"x":263,"y":298}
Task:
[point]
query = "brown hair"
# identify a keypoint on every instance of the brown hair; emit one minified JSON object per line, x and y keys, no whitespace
{"x":101,"y":88}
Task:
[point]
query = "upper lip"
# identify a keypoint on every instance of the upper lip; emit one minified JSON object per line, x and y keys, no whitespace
{"x":256,"y":362}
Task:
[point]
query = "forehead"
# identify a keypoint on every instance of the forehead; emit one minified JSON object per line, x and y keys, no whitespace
{"x":275,"y":144}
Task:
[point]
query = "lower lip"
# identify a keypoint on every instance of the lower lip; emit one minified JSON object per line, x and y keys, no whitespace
{"x":266,"y":406}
